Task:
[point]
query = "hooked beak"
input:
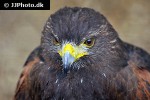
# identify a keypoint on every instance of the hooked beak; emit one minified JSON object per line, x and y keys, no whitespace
{"x":70,"y":54}
{"x":67,"y":60}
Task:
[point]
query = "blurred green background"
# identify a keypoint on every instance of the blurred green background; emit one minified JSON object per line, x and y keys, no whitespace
{"x":20,"y":32}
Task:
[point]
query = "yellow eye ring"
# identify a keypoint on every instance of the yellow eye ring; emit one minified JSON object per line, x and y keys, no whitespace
{"x":89,"y":42}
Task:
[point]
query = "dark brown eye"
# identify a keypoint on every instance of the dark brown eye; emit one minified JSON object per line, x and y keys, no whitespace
{"x":56,"y":41}
{"x":89,"y":42}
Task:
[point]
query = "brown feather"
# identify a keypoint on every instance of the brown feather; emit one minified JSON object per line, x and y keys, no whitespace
{"x":113,"y":69}
{"x":23,"y":80}
{"x":143,"y":79}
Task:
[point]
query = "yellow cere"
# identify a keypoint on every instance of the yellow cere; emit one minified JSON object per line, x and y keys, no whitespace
{"x":76,"y":51}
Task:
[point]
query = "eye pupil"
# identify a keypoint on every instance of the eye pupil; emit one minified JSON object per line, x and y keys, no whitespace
{"x":89,"y":42}
{"x":56,"y":42}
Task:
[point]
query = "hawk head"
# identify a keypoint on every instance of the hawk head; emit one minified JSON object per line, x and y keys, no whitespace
{"x":81,"y":37}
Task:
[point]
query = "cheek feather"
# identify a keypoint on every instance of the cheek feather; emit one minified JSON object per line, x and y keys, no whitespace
{"x":113,"y":41}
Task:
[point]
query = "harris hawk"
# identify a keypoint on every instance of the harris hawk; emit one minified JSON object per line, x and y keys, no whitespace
{"x":81,"y":57}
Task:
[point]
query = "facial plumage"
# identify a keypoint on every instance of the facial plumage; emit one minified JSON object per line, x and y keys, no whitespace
{"x":99,"y":66}
{"x":75,"y":26}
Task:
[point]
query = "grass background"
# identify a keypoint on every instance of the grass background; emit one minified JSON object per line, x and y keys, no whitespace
{"x":20,"y":32}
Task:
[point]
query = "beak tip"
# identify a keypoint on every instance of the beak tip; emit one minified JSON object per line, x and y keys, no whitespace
{"x":66,"y":68}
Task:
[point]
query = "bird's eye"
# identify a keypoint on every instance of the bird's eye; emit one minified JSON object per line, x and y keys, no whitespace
{"x":89,"y":42}
{"x":56,"y":41}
